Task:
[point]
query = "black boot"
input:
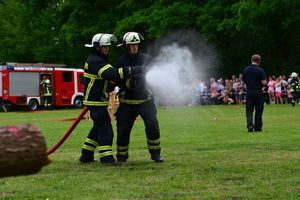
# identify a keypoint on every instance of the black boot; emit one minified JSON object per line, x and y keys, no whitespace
{"x":109,"y":160}
{"x":157,"y":158}
{"x":122,"y":159}
{"x":250,"y":128}
{"x":86,"y":158}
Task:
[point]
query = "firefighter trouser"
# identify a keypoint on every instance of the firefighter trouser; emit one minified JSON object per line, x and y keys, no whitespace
{"x":126,"y":115}
{"x":101,"y":134}
{"x":47,"y":100}
{"x":255,"y":100}
{"x":295,"y":97}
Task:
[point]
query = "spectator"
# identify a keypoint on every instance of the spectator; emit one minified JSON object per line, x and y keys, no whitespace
{"x":213,"y":91}
{"x":284,"y":85}
{"x":238,"y":91}
{"x":278,"y":91}
{"x":271,"y":89}
{"x":198,"y":92}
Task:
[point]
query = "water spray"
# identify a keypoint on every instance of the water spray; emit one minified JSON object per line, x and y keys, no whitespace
{"x":180,"y":59}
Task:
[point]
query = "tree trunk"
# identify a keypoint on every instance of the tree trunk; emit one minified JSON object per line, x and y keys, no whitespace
{"x":23,"y":150}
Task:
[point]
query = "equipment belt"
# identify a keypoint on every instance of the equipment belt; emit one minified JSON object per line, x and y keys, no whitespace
{"x":135,"y":102}
{"x":93,"y":76}
{"x":95,"y":103}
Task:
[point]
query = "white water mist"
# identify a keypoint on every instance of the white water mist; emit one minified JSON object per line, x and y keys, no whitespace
{"x":171,"y":74}
{"x":178,"y":66}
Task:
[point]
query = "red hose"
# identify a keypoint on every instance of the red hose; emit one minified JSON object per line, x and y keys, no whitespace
{"x":67,"y":134}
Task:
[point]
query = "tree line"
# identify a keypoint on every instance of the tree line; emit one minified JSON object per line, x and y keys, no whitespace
{"x":54,"y":31}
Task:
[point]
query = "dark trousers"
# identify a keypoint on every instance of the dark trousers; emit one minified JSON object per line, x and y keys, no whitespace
{"x":101,"y":133}
{"x":126,"y":115}
{"x":47,"y":100}
{"x":255,"y":100}
{"x":295,"y":97}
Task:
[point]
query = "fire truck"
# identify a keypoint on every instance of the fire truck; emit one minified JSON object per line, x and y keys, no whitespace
{"x":22,"y":84}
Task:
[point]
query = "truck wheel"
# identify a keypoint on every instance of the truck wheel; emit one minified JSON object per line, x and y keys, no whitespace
{"x":78,"y":102}
{"x":7,"y":106}
{"x":33,"y":104}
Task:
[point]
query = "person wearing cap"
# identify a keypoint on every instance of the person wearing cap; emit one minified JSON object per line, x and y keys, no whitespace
{"x":294,"y":86}
{"x":97,"y":75}
{"x":255,"y":78}
{"x":136,"y":99}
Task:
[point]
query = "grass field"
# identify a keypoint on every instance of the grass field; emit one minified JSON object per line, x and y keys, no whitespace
{"x":208,"y":155}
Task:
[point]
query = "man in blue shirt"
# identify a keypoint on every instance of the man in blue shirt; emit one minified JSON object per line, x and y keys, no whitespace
{"x":255,"y":78}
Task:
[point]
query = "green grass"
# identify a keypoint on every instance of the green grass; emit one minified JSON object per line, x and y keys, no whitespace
{"x":208,"y":155}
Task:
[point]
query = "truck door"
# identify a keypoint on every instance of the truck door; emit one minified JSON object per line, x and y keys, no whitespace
{"x":64,"y":87}
{"x":0,"y":85}
{"x":80,"y":81}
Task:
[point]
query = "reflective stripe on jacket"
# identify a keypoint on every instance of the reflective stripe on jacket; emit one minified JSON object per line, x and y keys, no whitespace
{"x":97,"y":76}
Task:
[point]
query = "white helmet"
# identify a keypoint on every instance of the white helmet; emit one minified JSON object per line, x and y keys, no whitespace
{"x":294,"y":75}
{"x":102,"y":39}
{"x":132,"y":38}
{"x":47,"y":81}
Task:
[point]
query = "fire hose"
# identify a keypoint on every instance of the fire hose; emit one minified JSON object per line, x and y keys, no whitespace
{"x":69,"y":131}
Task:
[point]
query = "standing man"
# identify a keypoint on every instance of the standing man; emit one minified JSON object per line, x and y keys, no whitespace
{"x":136,"y":99}
{"x":255,"y":78}
{"x":97,"y":74}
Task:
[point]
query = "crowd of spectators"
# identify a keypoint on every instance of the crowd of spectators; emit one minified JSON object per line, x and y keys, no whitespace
{"x":233,"y":91}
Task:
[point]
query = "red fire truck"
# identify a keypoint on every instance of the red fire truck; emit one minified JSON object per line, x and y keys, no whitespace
{"x":21,"y":84}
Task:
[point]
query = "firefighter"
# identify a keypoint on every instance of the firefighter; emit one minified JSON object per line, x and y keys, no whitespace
{"x":294,"y":86}
{"x":135,"y":99}
{"x":47,"y":91}
{"x":97,"y":74}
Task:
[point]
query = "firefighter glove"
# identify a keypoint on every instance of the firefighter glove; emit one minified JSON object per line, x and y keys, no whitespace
{"x":137,"y":70}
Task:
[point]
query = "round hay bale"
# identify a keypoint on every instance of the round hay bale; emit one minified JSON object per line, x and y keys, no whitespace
{"x":23,"y":150}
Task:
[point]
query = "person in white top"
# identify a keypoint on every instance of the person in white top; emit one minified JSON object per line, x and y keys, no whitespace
{"x":278,"y":91}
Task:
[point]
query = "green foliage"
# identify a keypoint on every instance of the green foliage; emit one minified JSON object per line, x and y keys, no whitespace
{"x":56,"y":30}
{"x":15,"y":23}
{"x":49,"y":43}
{"x":157,"y":19}
{"x":246,"y":27}
{"x":208,"y":155}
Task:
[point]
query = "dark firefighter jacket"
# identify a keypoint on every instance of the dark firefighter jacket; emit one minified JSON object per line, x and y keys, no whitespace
{"x":294,"y":85}
{"x":134,"y":89}
{"x":97,"y":75}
